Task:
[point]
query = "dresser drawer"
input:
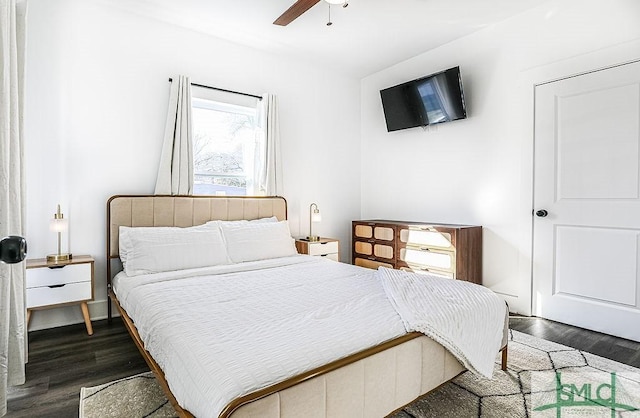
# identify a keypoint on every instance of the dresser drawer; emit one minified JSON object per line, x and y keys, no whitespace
{"x":426,"y":270}
{"x":378,"y":232}
{"x":384,"y":233}
{"x":374,"y":249}
{"x":371,"y":264}
{"x":383,"y":251}
{"x":426,"y":236}
{"x":428,"y":258}
{"x":323,"y":248}
{"x":363,"y":248}
{"x":363,"y":231}
{"x":71,"y":273}
{"x":64,"y":293}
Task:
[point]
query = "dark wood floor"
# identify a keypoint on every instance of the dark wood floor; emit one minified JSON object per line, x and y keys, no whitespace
{"x":62,"y":360}
{"x":618,"y":349}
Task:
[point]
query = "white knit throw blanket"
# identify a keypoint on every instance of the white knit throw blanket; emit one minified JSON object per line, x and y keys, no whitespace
{"x":466,"y":318}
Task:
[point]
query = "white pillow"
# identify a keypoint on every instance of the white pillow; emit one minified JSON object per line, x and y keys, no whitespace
{"x":146,"y":250}
{"x":241,"y":222}
{"x":263,"y":220}
{"x":258,"y":240}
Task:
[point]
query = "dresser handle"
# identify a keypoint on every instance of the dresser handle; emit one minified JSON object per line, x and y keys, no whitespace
{"x":322,"y":243}
{"x":57,"y":267}
{"x":371,"y":258}
{"x":424,"y":249}
{"x":55,"y":286}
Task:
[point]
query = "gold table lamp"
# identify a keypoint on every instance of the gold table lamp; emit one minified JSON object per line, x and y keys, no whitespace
{"x":314,"y":216}
{"x":58,"y":224}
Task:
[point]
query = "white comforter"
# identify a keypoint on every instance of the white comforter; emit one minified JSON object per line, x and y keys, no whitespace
{"x":223,"y":332}
{"x":220,"y":336}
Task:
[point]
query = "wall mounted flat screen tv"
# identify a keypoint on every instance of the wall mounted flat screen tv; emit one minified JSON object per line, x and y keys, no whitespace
{"x":426,"y":101}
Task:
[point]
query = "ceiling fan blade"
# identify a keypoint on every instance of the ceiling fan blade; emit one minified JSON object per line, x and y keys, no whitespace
{"x":293,"y":12}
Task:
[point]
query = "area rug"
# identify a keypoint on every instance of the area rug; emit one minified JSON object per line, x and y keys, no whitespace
{"x":133,"y":397}
{"x":544,"y":379}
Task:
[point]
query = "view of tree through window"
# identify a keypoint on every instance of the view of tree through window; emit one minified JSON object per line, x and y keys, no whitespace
{"x":224,"y":141}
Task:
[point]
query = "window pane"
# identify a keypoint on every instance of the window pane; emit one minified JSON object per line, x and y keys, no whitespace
{"x":223,"y":148}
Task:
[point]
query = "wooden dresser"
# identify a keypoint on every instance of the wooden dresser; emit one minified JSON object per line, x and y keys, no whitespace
{"x":453,"y":251}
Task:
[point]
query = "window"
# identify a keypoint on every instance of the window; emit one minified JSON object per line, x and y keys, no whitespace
{"x":226,"y":139}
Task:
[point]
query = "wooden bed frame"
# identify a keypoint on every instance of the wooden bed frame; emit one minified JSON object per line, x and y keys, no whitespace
{"x":184,"y":211}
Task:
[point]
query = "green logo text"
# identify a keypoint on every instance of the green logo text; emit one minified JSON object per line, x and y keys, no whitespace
{"x":569,"y":395}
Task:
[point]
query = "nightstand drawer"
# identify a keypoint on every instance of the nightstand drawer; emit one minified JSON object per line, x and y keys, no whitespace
{"x":323,"y":248}
{"x":333,"y":256}
{"x":71,"y":273}
{"x":64,"y":293}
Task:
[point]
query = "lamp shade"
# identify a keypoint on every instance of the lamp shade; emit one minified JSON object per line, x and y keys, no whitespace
{"x":58,"y":224}
{"x":314,"y":216}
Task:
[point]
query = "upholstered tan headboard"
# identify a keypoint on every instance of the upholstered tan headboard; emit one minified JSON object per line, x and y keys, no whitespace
{"x":184,"y":211}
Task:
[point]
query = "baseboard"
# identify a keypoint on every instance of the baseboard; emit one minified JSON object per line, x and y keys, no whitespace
{"x":515,"y":304}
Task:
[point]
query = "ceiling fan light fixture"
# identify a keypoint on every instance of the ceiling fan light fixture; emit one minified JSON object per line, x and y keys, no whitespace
{"x":301,"y":6}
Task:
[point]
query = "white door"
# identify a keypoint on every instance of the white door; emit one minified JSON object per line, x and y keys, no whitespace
{"x":586,"y":264}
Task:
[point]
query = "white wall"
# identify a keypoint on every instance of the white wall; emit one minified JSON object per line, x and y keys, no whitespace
{"x":479,"y":170}
{"x":96,"y":99}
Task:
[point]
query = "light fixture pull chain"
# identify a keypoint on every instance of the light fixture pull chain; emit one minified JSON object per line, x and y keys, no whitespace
{"x":329,"y":23}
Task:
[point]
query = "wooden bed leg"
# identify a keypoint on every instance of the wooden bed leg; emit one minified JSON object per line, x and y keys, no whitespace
{"x":109,"y":314}
{"x":504,"y":357}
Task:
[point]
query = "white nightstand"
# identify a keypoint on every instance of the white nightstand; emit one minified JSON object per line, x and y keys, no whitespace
{"x":51,"y":285}
{"x":325,"y":247}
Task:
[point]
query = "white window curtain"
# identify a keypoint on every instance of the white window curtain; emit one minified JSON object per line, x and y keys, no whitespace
{"x":13,"y":336}
{"x":268,"y":173}
{"x":175,"y":173}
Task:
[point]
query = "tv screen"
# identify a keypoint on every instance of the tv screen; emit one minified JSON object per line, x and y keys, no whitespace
{"x":426,"y":101}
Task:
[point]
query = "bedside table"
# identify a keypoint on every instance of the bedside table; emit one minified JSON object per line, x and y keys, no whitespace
{"x":51,"y":285}
{"x":325,"y":247}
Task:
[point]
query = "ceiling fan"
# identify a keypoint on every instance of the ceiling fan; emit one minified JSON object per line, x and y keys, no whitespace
{"x":301,"y":6}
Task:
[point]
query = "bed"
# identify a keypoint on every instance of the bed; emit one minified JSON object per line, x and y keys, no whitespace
{"x":383,"y":369}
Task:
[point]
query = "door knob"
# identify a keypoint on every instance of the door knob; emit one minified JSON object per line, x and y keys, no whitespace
{"x":13,"y":249}
{"x":541,"y":213}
